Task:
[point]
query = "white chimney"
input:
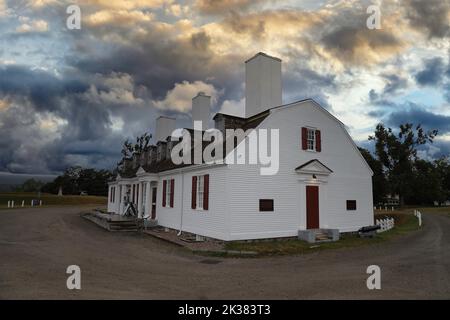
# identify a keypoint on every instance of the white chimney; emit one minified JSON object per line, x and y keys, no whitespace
{"x":262,"y":83}
{"x":201,"y":105}
{"x":164,"y":128}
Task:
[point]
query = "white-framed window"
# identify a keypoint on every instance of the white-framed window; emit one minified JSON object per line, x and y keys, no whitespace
{"x":200,"y":191}
{"x":168,"y":191}
{"x":311,"y":139}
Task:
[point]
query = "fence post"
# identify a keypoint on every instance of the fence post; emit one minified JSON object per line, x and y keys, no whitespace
{"x":12,"y":204}
{"x":23,"y":203}
{"x":9,"y":203}
{"x":40,"y":202}
{"x":31,"y":202}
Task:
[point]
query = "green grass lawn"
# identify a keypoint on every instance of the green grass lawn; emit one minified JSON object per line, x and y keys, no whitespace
{"x":49,"y":199}
{"x":404,"y":223}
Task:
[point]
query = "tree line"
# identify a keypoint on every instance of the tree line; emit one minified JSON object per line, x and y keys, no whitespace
{"x":398,"y":169}
{"x":76,"y":180}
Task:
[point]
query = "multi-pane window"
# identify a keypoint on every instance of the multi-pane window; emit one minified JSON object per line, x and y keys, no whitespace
{"x":311,"y":139}
{"x":168,"y":191}
{"x":200,"y":191}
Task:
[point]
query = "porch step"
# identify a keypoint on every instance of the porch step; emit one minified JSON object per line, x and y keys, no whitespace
{"x":322,"y":236}
{"x":122,"y":226}
{"x":319,"y":235}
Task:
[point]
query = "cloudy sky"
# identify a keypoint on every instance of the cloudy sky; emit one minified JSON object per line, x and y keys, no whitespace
{"x":70,"y":97}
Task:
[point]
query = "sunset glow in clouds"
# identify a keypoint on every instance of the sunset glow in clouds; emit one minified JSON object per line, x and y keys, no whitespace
{"x":70,"y":97}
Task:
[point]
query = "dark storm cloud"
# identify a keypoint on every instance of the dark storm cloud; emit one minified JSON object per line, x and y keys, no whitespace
{"x":40,"y":87}
{"x":85,"y":137}
{"x":348,"y":38}
{"x":417,"y":115}
{"x":377,"y":114}
{"x":394,"y":83}
{"x":430,"y":16}
{"x":304,"y":83}
{"x":380,"y":100}
{"x":156,"y":65}
{"x":433,"y":73}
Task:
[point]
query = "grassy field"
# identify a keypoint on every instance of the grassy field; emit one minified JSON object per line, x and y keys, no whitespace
{"x":405,"y":222}
{"x":48,"y":199}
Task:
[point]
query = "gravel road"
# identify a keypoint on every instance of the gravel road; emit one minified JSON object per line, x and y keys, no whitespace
{"x":37,"y":245}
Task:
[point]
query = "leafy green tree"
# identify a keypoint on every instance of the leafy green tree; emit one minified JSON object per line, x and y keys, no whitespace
{"x":443,"y":170}
{"x":427,"y":184}
{"x":77,"y":179}
{"x":397,"y":153}
{"x":379,"y":183}
{"x":31,"y":185}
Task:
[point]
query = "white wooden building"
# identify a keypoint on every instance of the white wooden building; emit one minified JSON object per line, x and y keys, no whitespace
{"x":322,"y":181}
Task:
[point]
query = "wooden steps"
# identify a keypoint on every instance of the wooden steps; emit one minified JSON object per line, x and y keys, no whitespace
{"x":125,"y":226}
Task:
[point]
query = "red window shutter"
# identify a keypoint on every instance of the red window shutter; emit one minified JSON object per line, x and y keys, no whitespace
{"x":318,"y":141}
{"x":304,"y":138}
{"x":206,"y":192}
{"x":172,"y":188}
{"x":164,"y":193}
{"x":194,"y":192}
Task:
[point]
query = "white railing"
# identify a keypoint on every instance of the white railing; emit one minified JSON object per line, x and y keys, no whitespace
{"x":385,"y":208}
{"x":11,"y":203}
{"x":385,"y":224}
{"x":418,"y":214}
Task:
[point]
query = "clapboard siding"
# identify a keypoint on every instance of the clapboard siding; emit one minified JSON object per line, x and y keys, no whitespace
{"x":350,"y":180}
{"x":212,"y":222}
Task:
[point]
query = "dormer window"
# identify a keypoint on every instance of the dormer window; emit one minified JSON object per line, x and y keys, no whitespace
{"x":311,"y":139}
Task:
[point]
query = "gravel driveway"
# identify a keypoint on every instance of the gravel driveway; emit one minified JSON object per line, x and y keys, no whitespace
{"x":37,"y":245}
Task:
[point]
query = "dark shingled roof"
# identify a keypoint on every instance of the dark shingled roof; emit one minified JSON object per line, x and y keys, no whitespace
{"x":234,"y":123}
{"x":167,"y":164}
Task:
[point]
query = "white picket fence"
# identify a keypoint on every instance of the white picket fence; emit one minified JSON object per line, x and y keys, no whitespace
{"x":385,"y":224}
{"x":11,"y":203}
{"x":418,"y":214}
{"x":385,"y":208}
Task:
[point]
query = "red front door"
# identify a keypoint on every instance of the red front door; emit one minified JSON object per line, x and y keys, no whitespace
{"x":153,"y":203}
{"x":312,"y":207}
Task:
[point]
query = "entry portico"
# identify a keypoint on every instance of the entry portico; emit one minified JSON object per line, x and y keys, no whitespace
{"x":137,"y":190}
